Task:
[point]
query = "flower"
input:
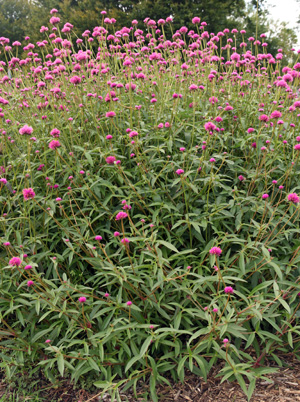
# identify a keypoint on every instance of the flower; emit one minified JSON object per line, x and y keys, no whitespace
{"x":121,"y":215}
{"x":225,"y":341}
{"x":27,"y":267}
{"x":28,"y":193}
{"x":75,"y":80}
{"x":179,"y":171}
{"x":265,"y":196}
{"x":54,"y":144}
{"x":26,"y":130}
{"x":116,"y":234}
{"x":129,"y":303}
{"x":30,"y":283}
{"x":229,"y":290}
{"x":110,"y":114}
{"x":110,"y":160}
{"x":293,"y":197}
{"x":55,"y":132}
{"x":125,"y":240}
{"x":47,"y":340}
{"x":82,"y":299}
{"x":15,"y":262}
{"x":215,"y":251}
{"x":297,"y":147}
{"x":98,"y":238}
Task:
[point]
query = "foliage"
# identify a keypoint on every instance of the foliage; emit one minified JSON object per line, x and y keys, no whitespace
{"x":149,"y":209}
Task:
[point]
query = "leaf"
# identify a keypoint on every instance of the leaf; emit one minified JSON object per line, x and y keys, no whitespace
{"x":93,"y":364}
{"x":145,"y":346}
{"x":153,"y":392}
{"x":168,"y":245}
{"x":61,"y":364}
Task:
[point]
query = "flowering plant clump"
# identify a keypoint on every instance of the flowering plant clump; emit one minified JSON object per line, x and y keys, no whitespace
{"x":182,"y":153}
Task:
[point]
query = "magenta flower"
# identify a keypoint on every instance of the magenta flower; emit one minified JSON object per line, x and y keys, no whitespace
{"x":116,"y":234}
{"x":110,"y":160}
{"x":30,"y":283}
{"x":215,"y":251}
{"x":241,"y":178}
{"x":26,"y":130}
{"x":82,"y":299}
{"x":27,"y":267}
{"x":129,"y":303}
{"x":55,"y":133}
{"x":47,"y":340}
{"x":121,"y":215}
{"x":125,"y":240}
{"x":225,"y":341}
{"x":15,"y":262}
{"x":28,"y":193}
{"x":179,"y":171}
{"x":229,"y":290}
{"x":98,"y":238}
{"x":265,"y":196}
{"x":75,"y":80}
{"x":297,"y":147}
{"x":293,"y":197}
{"x":210,"y":126}
{"x":110,"y":114}
{"x":54,"y":144}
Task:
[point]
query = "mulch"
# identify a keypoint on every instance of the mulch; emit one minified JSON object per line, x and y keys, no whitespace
{"x":283,"y":386}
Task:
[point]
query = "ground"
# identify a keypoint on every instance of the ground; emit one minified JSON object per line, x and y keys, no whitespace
{"x":284,"y":386}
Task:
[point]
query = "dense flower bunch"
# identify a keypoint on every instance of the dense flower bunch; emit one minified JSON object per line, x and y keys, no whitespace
{"x":183,"y":153}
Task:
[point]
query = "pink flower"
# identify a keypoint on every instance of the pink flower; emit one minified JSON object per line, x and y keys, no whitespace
{"x":98,"y":238}
{"x":297,"y":147}
{"x":215,"y":251}
{"x":110,"y":160}
{"x":116,"y":234}
{"x":27,"y":267}
{"x":26,"y":130}
{"x":30,"y":283}
{"x":210,"y":126}
{"x":82,"y":299}
{"x":129,"y":303}
{"x":215,"y":310}
{"x":15,"y":262}
{"x":179,"y":171}
{"x":28,"y":193}
{"x":106,"y":294}
{"x":54,"y":144}
{"x":196,"y":20}
{"x":47,"y":340}
{"x":121,"y":215}
{"x":241,"y":178}
{"x":110,"y":114}
{"x":75,"y":80}
{"x":229,"y":290}
{"x":275,"y":115}
{"x":55,"y":132}
{"x":265,"y":196}
{"x":293,"y":197}
{"x":225,"y":341}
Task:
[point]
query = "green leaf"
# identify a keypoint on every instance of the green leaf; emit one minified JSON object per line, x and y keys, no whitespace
{"x":61,"y":364}
{"x":168,"y":245}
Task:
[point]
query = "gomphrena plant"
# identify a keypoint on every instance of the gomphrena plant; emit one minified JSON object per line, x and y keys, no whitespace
{"x":149,"y":209}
